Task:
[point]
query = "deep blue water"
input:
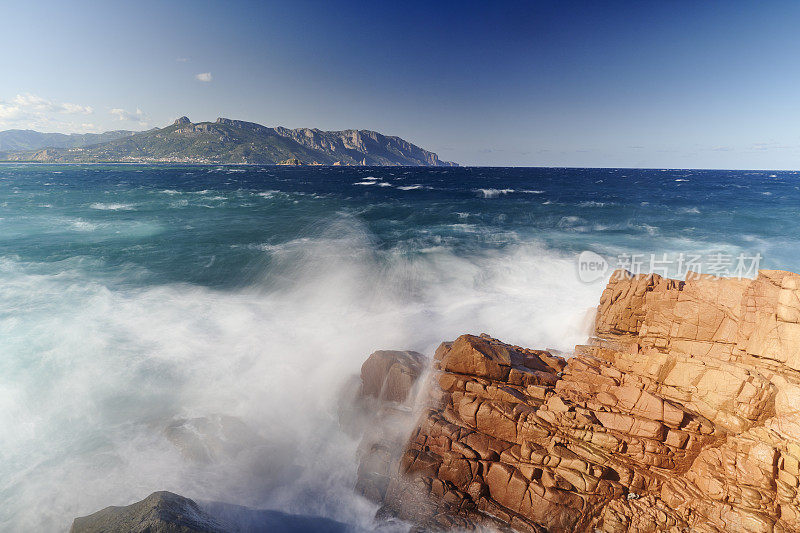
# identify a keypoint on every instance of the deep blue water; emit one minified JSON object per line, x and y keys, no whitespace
{"x":133,"y":296}
{"x":214,"y":225}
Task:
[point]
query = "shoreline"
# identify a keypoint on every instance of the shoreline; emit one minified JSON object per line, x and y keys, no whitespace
{"x":678,"y":378}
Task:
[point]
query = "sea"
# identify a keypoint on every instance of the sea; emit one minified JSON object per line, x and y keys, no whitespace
{"x":134,"y":298}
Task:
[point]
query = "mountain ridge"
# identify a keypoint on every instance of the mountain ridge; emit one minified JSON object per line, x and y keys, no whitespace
{"x":23,"y":140}
{"x":230,"y":141}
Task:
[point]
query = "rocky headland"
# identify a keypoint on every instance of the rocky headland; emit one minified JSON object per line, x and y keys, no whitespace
{"x":681,"y":413}
{"x":224,"y":141}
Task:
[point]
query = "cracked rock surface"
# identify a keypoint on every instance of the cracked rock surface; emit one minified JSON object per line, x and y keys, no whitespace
{"x":681,"y":413}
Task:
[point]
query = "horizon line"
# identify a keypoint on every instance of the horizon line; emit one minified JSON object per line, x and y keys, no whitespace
{"x":460,"y":166}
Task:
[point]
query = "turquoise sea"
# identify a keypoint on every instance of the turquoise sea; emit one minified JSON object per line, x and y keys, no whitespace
{"x":134,"y":298}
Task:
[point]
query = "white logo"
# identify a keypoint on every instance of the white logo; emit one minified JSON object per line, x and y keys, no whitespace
{"x":591,"y":267}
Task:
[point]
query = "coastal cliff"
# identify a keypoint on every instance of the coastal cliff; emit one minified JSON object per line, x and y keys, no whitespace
{"x":682,"y":413}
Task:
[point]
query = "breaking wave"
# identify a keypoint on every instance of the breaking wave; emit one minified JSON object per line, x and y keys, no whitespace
{"x":493,"y":193}
{"x":112,"y":207}
{"x":95,"y":372}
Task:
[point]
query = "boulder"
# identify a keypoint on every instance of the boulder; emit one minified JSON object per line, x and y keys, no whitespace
{"x":380,"y":415}
{"x":210,"y":438}
{"x":166,"y":512}
{"x":161,"y":512}
{"x":389,"y":375}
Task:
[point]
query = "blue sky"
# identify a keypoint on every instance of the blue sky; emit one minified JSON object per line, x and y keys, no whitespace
{"x":643,"y":84}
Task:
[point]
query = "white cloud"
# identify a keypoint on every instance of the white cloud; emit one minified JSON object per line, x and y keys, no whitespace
{"x":31,"y":101}
{"x":137,"y":116}
{"x":9,"y":111}
{"x":34,"y":112}
{"x":204,"y":77}
{"x":182,"y":59}
{"x":75,"y":108}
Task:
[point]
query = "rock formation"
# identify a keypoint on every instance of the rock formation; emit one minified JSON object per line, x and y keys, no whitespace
{"x":166,"y":512}
{"x":210,"y":438}
{"x":380,"y":414}
{"x":681,"y":414}
{"x":161,"y":512}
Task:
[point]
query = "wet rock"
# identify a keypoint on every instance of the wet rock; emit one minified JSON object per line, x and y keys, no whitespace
{"x":161,"y":512}
{"x":210,"y":438}
{"x":390,"y":375}
{"x":378,"y":410}
{"x":166,"y":512}
{"x":682,"y":413}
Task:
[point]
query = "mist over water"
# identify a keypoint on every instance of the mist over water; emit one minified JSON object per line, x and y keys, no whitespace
{"x":134,"y":298}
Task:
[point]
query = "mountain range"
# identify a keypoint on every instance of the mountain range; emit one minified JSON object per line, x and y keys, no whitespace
{"x":23,"y":140}
{"x":224,"y":141}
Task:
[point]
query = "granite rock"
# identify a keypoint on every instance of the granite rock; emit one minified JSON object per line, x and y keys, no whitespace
{"x":681,"y":413}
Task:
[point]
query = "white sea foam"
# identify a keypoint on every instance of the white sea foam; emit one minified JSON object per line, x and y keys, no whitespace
{"x":112,"y":206}
{"x":93,"y":369}
{"x":493,"y":193}
{"x":410,"y":187}
{"x":284,"y":246}
{"x":651,"y":230}
{"x":570,"y":221}
{"x":369,"y":180}
{"x":82,"y":225}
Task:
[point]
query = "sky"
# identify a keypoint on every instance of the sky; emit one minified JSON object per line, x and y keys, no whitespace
{"x":666,"y":84}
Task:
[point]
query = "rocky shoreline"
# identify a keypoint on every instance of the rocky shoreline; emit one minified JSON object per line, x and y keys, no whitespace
{"x":681,"y":413}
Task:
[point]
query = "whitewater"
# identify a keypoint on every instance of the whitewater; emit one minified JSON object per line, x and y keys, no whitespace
{"x":133,"y":298}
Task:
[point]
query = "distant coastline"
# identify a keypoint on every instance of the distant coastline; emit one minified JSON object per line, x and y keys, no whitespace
{"x":222,"y":142}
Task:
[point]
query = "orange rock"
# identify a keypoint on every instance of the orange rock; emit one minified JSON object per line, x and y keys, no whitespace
{"x":390,"y":374}
{"x":681,"y":414}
